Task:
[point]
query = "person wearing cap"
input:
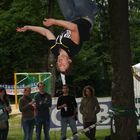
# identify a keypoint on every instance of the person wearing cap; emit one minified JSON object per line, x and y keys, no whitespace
{"x":77,"y":27}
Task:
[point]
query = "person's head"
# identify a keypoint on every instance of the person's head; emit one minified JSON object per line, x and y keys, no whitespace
{"x":3,"y":93}
{"x":64,"y":64}
{"x":88,"y":91}
{"x":65,"y":89}
{"x":41,"y":87}
{"x":27,"y":91}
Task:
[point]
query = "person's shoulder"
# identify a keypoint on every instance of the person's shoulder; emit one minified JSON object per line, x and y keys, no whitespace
{"x":21,"y":98}
{"x":47,"y":94}
{"x":95,"y":98}
{"x":71,"y":96}
{"x":37,"y":95}
{"x":60,"y":97}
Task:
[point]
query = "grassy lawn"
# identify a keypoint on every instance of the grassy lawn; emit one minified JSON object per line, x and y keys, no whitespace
{"x":16,"y":133}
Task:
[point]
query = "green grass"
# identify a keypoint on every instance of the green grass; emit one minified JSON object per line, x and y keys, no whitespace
{"x":16,"y":133}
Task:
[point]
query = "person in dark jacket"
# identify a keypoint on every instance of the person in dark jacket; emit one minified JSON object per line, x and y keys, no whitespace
{"x":5,"y":109}
{"x":89,"y":107}
{"x":43,"y":102}
{"x":27,"y":107}
{"x":68,"y":107}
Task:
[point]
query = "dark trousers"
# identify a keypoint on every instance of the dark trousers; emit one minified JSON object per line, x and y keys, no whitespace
{"x":46,"y":127}
{"x":91,"y":133}
{"x":4,"y":132}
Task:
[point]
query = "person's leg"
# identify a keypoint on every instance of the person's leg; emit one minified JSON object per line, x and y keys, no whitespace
{"x":38,"y":130}
{"x":31,"y":128}
{"x":25,"y":129}
{"x":7,"y":130}
{"x":4,"y":134}
{"x":0,"y":134}
{"x":86,"y":124}
{"x":67,"y":8}
{"x":63,"y":128}
{"x":86,"y":8}
{"x":46,"y":127}
{"x":92,"y":133}
{"x":72,"y":124}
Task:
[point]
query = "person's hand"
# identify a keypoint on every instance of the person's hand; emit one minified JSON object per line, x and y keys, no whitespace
{"x":22,"y":29}
{"x":48,"y":22}
{"x":64,"y":105}
{"x":8,"y":108}
{"x":32,"y":103}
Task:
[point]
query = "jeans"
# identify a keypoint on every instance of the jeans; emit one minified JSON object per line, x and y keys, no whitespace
{"x":46,"y":127}
{"x":72,"y":123}
{"x":72,"y":9}
{"x":28,"y":126}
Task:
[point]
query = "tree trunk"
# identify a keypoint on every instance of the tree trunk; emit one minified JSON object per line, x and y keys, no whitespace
{"x":124,"y":127}
{"x":51,"y":61}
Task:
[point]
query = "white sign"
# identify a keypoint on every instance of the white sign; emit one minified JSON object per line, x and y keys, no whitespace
{"x":104,"y":105}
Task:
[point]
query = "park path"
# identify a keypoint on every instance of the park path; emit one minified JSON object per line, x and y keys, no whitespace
{"x":15,"y":110}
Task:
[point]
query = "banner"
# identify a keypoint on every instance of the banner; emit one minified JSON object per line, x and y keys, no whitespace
{"x":105,"y":104}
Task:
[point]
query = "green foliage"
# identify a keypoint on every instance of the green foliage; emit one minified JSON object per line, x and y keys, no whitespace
{"x":27,"y":52}
{"x":134,"y":19}
{"x":21,"y":52}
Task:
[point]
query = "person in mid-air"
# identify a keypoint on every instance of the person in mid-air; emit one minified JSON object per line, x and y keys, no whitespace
{"x":77,"y":27}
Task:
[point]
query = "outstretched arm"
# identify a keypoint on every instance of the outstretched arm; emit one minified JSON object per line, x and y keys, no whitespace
{"x":65,"y":24}
{"x":43,"y":31}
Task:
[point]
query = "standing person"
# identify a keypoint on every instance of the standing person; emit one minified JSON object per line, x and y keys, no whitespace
{"x":89,"y":108}
{"x":43,"y":103}
{"x":68,"y":106}
{"x":27,"y":107}
{"x":5,"y":109}
{"x":77,"y":27}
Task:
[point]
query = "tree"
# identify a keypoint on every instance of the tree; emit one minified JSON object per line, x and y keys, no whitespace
{"x":122,"y":84}
{"x":51,"y":59}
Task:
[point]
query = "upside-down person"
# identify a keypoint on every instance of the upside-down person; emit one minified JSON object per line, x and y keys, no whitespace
{"x":77,"y":26}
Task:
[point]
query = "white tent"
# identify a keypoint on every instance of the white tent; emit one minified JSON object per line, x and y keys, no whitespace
{"x":136,"y":69}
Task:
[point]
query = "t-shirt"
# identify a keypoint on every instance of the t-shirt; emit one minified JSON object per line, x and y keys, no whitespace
{"x":64,"y":41}
{"x":70,"y":103}
{"x":84,"y":27}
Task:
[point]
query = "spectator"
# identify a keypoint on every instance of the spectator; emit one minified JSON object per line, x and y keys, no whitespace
{"x":27,"y":107}
{"x":68,"y":106}
{"x":5,"y":109}
{"x":89,"y":108}
{"x":43,"y":103}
